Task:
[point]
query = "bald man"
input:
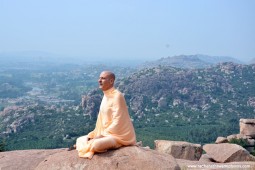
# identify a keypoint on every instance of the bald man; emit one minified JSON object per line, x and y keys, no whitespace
{"x":113,"y":127}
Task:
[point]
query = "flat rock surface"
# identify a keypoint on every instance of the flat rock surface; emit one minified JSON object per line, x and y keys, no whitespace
{"x":131,"y":158}
{"x":25,"y":159}
{"x":126,"y":158}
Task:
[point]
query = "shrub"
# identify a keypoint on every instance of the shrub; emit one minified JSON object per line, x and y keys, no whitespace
{"x":241,"y":142}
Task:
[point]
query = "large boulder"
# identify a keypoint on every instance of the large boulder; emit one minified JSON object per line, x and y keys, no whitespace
{"x":231,"y":137}
{"x":205,"y":158}
{"x":247,"y":127}
{"x":221,"y":140}
{"x":116,"y":159}
{"x":25,"y":159}
{"x":226,"y":152}
{"x":237,"y":136}
{"x":125,"y":158}
{"x":179,"y":149}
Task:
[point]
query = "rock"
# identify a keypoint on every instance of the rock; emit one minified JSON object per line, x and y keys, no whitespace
{"x":162,"y":103}
{"x":237,"y":136}
{"x":221,"y":140}
{"x":247,"y":121}
{"x":24,"y":159}
{"x":226,"y":152}
{"x":206,"y":158}
{"x":198,"y":165}
{"x":251,"y":142}
{"x":125,"y":158}
{"x":91,"y":102}
{"x":140,"y":143}
{"x":230,"y":137}
{"x":242,"y":136}
{"x":247,"y":127}
{"x":179,"y":149}
{"x":135,"y":158}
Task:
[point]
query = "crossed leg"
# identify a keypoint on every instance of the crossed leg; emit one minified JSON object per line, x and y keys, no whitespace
{"x":87,"y":149}
{"x":103,"y":144}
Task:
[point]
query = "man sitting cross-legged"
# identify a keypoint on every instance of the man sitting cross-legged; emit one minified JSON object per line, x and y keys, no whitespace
{"x":113,"y":127}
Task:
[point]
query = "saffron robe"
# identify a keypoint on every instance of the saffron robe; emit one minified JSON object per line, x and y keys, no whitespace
{"x":113,"y":123}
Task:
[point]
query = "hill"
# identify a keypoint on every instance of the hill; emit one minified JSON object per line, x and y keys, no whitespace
{"x":195,"y":105}
{"x":190,"y":61}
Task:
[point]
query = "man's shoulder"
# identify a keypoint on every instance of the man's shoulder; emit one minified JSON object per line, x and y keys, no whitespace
{"x":118,"y":94}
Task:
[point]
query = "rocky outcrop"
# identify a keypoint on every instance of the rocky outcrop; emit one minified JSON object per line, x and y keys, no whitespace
{"x":125,"y":158}
{"x":135,"y":158}
{"x":221,"y":140}
{"x":179,"y":149}
{"x":25,"y":159}
{"x":247,"y":127}
{"x":91,"y":102}
{"x":226,"y":152}
{"x":246,"y":137}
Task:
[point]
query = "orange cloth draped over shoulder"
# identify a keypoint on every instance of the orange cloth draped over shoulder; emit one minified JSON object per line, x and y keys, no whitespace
{"x":113,"y":120}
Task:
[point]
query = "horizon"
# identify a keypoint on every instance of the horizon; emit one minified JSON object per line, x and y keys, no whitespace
{"x":39,"y":57}
{"x":133,"y":30}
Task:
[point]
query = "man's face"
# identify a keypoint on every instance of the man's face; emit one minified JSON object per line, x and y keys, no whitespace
{"x":105,"y":81}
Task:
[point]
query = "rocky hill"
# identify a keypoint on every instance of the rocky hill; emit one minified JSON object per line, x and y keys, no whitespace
{"x":220,"y":92}
{"x":190,"y":61}
{"x":194,"y":105}
{"x":201,"y":103}
{"x":40,"y":103}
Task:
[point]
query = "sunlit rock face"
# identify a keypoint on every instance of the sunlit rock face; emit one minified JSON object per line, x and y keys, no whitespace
{"x":247,"y":127}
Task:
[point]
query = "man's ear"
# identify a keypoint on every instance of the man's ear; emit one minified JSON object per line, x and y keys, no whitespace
{"x":111,"y":81}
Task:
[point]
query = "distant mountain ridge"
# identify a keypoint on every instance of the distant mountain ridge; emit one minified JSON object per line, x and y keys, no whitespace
{"x":191,"y":61}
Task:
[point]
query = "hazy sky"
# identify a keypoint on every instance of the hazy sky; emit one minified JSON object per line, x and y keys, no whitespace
{"x":130,"y":29}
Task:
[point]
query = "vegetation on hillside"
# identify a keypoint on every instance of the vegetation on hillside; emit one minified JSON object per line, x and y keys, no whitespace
{"x":194,"y":105}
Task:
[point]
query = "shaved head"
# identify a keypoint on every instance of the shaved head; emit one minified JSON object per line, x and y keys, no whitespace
{"x":106,"y":80}
{"x":110,"y":74}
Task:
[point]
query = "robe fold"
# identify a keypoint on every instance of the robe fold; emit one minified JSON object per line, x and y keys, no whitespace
{"x":113,"y":121}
